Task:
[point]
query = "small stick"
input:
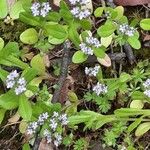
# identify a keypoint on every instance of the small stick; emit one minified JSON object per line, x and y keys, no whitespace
{"x":129,"y":53}
{"x":64,"y":72}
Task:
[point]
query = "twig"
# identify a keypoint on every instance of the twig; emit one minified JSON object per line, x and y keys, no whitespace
{"x":37,"y":141}
{"x":129,"y":53}
{"x":113,"y":62}
{"x":63,"y":74}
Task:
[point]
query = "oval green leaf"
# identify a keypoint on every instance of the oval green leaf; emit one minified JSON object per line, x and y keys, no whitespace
{"x":142,"y":128}
{"x":37,"y":63}
{"x":3,"y":8}
{"x":145,"y":24}
{"x":79,"y":57}
{"x":25,"y":109}
{"x":29,"y":36}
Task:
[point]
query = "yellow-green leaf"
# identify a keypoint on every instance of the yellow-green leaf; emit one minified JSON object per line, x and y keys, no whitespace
{"x":29,"y":36}
{"x":37,"y":63}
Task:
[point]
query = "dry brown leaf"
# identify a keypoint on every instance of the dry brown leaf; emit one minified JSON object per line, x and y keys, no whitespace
{"x":56,"y":2}
{"x":14,"y":118}
{"x":147,"y":37}
{"x":45,"y":146}
{"x":106,"y":61}
{"x":131,"y":2}
{"x":46,"y":60}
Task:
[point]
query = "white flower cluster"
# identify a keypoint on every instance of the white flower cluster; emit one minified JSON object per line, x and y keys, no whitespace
{"x":127,"y":30}
{"x":92,"y":71}
{"x":40,"y":9}
{"x":50,"y":134}
{"x":13,"y":80}
{"x":89,"y":43}
{"x":100,"y":88}
{"x":146,"y":84}
{"x":79,"y":11}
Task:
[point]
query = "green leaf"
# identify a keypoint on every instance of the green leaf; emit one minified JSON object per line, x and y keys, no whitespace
{"x":106,"y":30}
{"x":86,"y":24}
{"x":26,"y":147}
{"x":17,"y":62}
{"x":79,"y":57}
{"x":2,"y":114}
{"x":99,"y":52}
{"x":53,"y":16}
{"x":142,"y":128}
{"x":98,"y":12}
{"x":25,"y":109}
{"x":72,"y":97}
{"x":145,"y":24}
{"x":3,"y":74}
{"x":55,"y":41}
{"x":56,"y":30}
{"x":120,"y":12}
{"x":37,"y":63}
{"x":74,"y":35}
{"x":29,"y":74}
{"x":9,"y":100}
{"x":30,"y":19}
{"x":1,"y":43}
{"x":3,"y":8}
{"x":134,"y":124}
{"x":125,"y":112}
{"x":29,"y":36}
{"x":106,"y":41}
{"x":137,"y":95}
{"x":11,"y":48}
{"x":137,"y":104}
{"x":124,"y":77}
{"x":16,"y":9}
{"x":134,"y":42}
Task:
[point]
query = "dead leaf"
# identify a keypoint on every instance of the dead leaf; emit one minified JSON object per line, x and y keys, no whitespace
{"x":46,"y":60}
{"x":56,"y":2}
{"x":146,"y":38}
{"x":45,"y":146}
{"x":131,"y":2}
{"x":106,"y":61}
{"x":14,"y":118}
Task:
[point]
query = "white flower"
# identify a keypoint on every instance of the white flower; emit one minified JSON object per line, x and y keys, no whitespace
{"x":46,"y":6}
{"x":100,"y":88}
{"x":147,"y":93}
{"x":146,"y":84}
{"x":63,"y":118}
{"x":74,"y":2}
{"x":92,"y":71}
{"x":127,"y":30}
{"x":85,"y":49}
{"x":13,"y":75}
{"x":55,"y":114}
{"x":10,"y":83}
{"x":93,"y":41}
{"x":53,"y":124}
{"x":47,"y":135}
{"x":32,"y":128}
{"x":40,"y":9}
{"x":84,"y":2}
{"x":58,"y":140}
{"x":20,"y":89}
{"x":75,"y":11}
{"x":21,"y":81}
{"x":35,"y":8}
{"x":42,"y":118}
